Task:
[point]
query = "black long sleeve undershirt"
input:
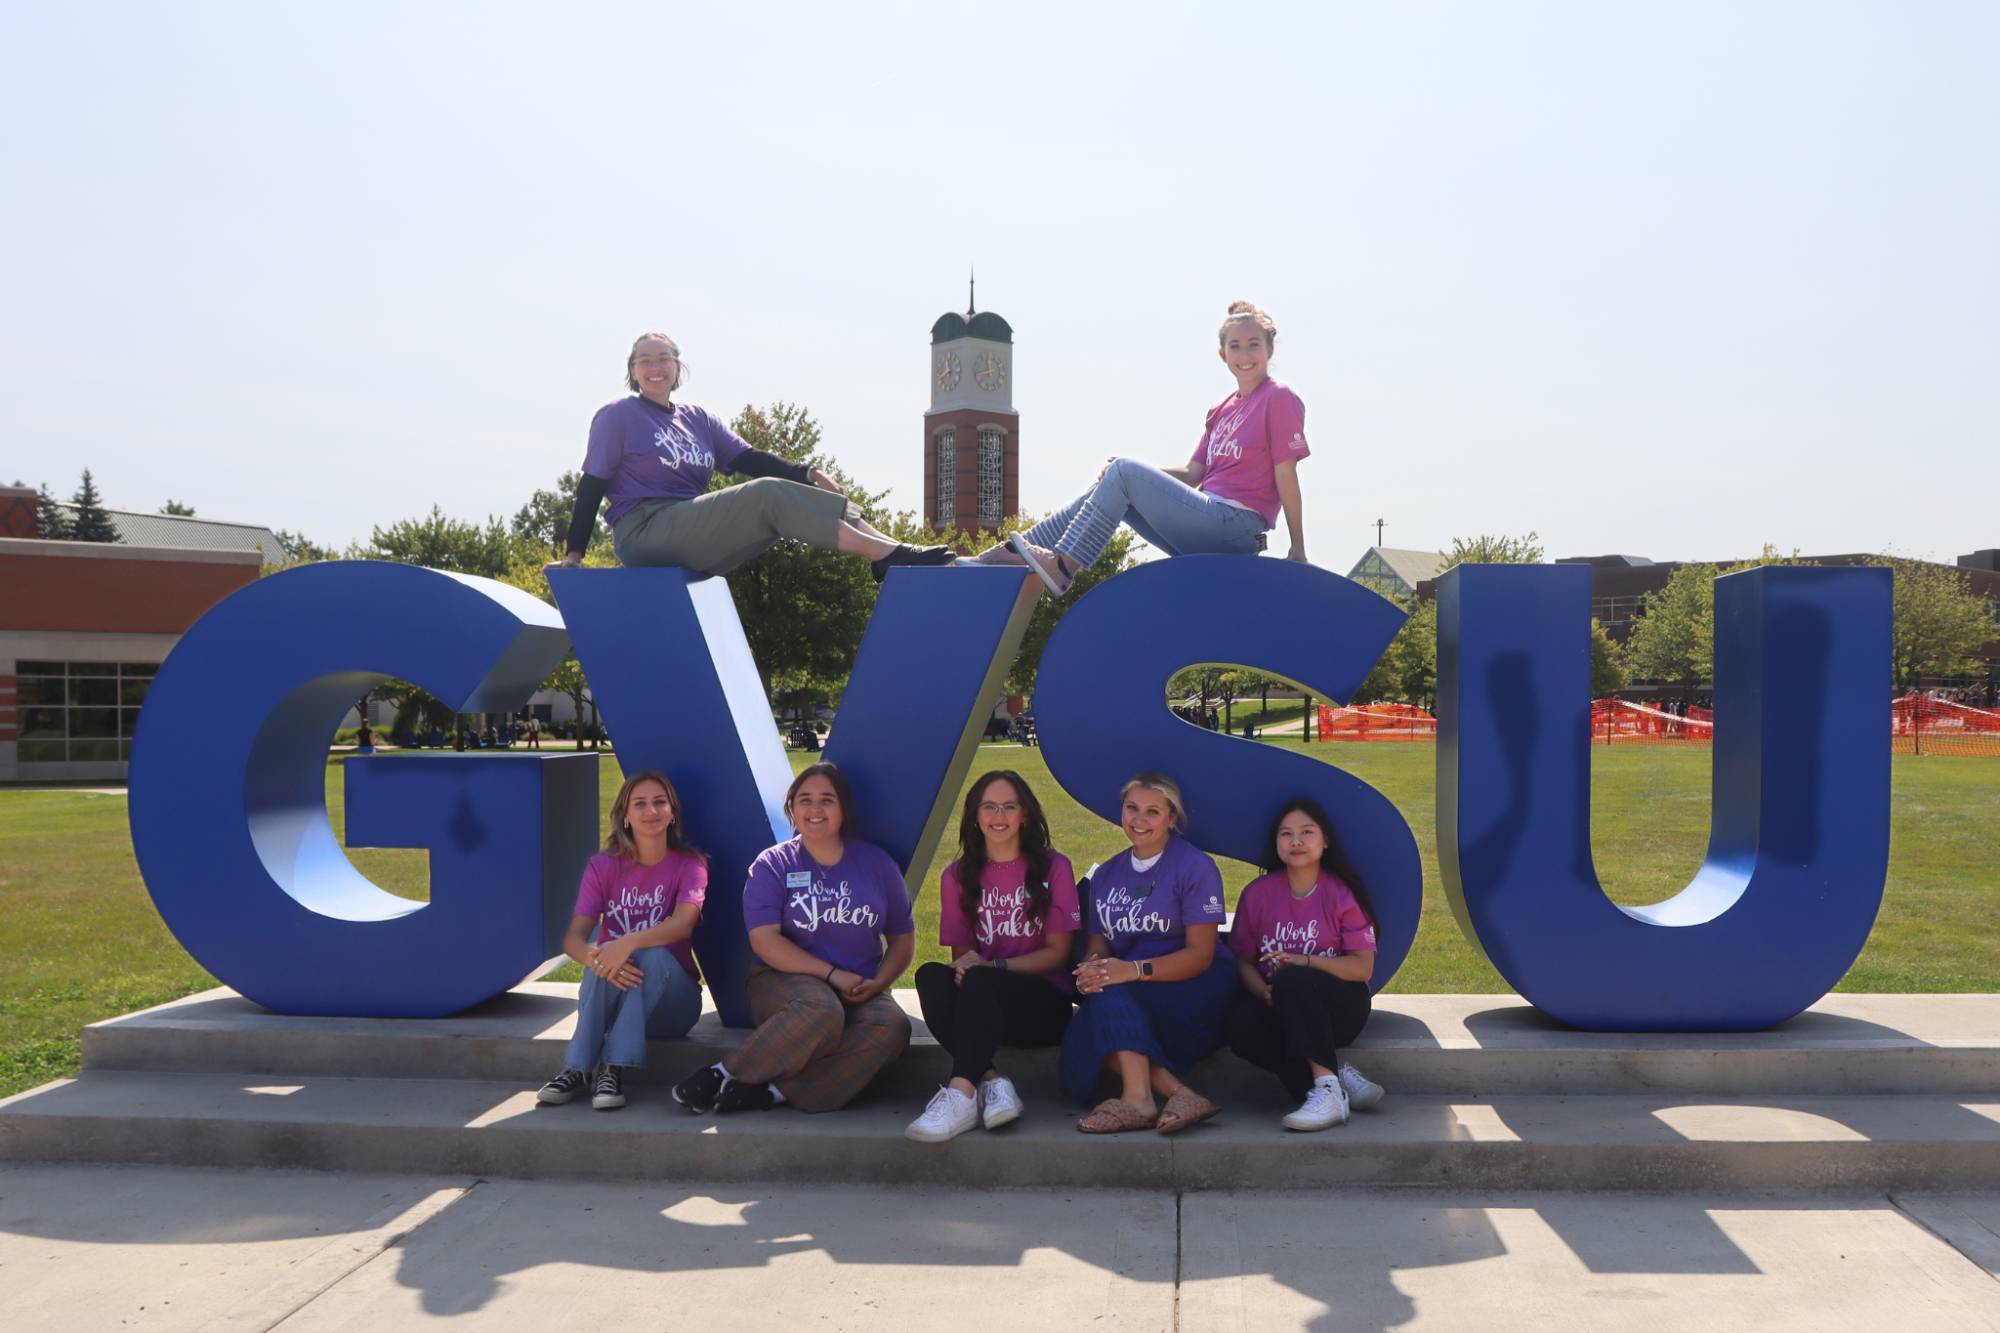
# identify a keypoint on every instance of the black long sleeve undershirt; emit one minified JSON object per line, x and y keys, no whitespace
{"x":589,"y":499}
{"x":758,"y":463}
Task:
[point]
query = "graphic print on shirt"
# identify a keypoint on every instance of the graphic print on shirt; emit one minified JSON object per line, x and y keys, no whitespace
{"x":1004,"y":914}
{"x":637,"y":909}
{"x":677,"y":446}
{"x":1222,"y":437}
{"x":1121,"y":913}
{"x":819,"y":904}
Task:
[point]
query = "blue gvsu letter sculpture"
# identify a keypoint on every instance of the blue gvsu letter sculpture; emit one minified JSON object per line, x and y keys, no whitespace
{"x":230,"y":824}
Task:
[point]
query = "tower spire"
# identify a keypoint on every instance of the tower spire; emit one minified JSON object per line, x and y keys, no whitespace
{"x":971,"y":290}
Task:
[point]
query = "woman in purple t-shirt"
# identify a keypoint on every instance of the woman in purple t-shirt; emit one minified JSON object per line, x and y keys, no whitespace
{"x":1222,"y":501}
{"x":654,"y":457}
{"x":641,"y":896}
{"x":829,"y":920}
{"x":1007,"y":910}
{"x":1154,"y":985}
{"x":1304,"y":940}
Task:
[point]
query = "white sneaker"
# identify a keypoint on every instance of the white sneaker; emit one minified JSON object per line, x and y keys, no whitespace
{"x":1325,"y":1105}
{"x":949,"y":1115}
{"x":999,"y":1104}
{"x":1362,"y":1092}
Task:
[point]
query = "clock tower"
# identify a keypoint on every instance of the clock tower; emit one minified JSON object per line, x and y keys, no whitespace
{"x":972,"y":434}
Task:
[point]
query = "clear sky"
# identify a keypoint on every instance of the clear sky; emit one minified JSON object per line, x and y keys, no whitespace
{"x":1676,"y":280}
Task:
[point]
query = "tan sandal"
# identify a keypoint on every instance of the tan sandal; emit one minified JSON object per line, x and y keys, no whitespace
{"x":1114,"y":1116}
{"x":1186,"y":1107}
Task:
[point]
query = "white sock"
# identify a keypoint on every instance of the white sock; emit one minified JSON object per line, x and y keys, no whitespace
{"x":727,"y":1077}
{"x":777,"y":1098}
{"x":1328,"y":1080}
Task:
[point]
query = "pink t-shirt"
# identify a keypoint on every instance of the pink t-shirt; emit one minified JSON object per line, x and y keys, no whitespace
{"x":1326,"y":922}
{"x":1245,"y":439}
{"x":1006,"y":928}
{"x":627,"y":896}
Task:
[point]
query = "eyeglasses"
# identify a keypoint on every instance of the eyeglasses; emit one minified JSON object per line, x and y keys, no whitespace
{"x":654,"y":360}
{"x":990,"y":808}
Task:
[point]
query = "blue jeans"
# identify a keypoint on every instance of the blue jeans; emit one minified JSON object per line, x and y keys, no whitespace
{"x":613,"y":1024}
{"x":1172,"y":515}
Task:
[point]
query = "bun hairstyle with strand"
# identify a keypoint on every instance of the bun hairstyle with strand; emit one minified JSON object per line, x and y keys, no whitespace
{"x":1241,"y":312}
{"x":680,"y":366}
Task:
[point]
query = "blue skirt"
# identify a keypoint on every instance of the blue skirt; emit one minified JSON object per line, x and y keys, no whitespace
{"x":1171,"y":1023}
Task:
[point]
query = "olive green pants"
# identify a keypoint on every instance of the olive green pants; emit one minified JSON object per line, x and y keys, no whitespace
{"x":717,"y":532}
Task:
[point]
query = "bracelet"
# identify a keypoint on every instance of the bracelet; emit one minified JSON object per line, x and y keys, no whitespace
{"x":1000,"y":963}
{"x":831,"y":969}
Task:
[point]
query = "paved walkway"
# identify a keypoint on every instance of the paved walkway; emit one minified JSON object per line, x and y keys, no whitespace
{"x":86,"y":1247}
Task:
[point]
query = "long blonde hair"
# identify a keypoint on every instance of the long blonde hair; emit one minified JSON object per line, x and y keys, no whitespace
{"x":620,"y":842}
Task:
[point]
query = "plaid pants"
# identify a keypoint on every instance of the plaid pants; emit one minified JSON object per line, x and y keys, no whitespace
{"x":818,"y":1050}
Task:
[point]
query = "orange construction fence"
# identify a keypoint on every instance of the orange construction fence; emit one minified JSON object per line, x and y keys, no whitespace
{"x":1618,"y":720}
{"x":1925,"y":724}
{"x":1376,"y":722}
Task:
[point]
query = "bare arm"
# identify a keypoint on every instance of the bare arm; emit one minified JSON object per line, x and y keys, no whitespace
{"x":1191,"y":960}
{"x":902,"y":948}
{"x":1287,"y":475}
{"x":1253,"y":980}
{"x":779,"y":954}
{"x":1357,"y":966}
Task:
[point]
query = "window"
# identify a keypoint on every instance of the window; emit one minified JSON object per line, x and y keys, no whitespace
{"x":947,"y":479}
{"x":79,"y":712}
{"x":992,"y":476}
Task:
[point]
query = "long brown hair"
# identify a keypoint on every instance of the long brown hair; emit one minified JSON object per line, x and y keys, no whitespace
{"x":1034,"y":846}
{"x":620,"y":842}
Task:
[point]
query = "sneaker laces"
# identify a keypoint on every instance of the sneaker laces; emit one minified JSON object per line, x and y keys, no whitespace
{"x":940,"y":1103}
{"x":1317,"y":1101}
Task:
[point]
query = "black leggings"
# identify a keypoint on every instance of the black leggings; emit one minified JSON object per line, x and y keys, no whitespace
{"x":991,"y":1008}
{"x":1312,"y":1016}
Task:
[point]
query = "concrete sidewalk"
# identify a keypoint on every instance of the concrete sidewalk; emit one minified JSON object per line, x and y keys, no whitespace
{"x":87,"y":1247}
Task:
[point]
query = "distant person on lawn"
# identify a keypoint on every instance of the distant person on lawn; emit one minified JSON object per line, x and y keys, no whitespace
{"x":642,"y":896}
{"x":829,"y":920}
{"x":653,"y":457}
{"x":1007,"y":913}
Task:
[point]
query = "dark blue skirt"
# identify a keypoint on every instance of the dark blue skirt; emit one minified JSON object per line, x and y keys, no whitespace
{"x":1171,"y":1023}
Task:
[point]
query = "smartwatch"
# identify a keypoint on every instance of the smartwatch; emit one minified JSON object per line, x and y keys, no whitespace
{"x":1146,"y":971}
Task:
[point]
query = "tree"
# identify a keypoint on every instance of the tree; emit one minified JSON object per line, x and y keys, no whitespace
{"x":1407,"y":671}
{"x":1494,"y":550}
{"x":1938,"y":624}
{"x":1607,"y":673}
{"x":299,"y":549}
{"x":1049,"y":611}
{"x":437,"y":542}
{"x":88,"y":521}
{"x":1673,"y":638}
{"x":175,"y":509}
{"x":544,"y":520}
{"x":51,"y":521}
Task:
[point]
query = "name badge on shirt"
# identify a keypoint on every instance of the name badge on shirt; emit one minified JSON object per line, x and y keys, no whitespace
{"x":798,"y":879}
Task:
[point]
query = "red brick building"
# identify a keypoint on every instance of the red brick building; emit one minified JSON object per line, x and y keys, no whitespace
{"x":972,"y":434}
{"x":83,"y":627}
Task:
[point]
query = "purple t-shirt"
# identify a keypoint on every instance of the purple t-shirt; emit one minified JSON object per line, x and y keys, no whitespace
{"x":627,"y":896}
{"x":1243,"y":442}
{"x":1326,"y":922}
{"x":837,"y":913}
{"x":649,"y":452}
{"x":1006,"y":928}
{"x":1146,"y":913}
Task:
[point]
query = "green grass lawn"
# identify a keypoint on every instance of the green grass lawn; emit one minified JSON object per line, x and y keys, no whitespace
{"x":79,"y":938}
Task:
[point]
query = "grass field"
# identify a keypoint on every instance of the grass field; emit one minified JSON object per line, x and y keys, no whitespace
{"x":79,"y":939}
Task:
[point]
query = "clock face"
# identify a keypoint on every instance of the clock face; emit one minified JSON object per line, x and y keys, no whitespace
{"x":947,"y":371}
{"x":990,"y":372}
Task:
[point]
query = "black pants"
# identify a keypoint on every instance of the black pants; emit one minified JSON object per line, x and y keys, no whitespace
{"x":991,"y":1008}
{"x":1311,"y":1016}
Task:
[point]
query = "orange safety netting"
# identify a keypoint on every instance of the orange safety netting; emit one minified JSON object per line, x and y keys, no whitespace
{"x":1619,"y":720}
{"x":1923,"y":724}
{"x":1376,"y":722}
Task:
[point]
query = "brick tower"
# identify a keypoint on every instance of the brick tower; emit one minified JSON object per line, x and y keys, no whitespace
{"x":972,"y":434}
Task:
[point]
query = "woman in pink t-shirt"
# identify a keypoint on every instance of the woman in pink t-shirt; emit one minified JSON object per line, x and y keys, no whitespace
{"x":1222,"y":501}
{"x":1007,"y":911}
{"x":1304,"y":940}
{"x":641,"y":896}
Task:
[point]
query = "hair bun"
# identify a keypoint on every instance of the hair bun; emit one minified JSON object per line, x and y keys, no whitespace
{"x":1243,"y":308}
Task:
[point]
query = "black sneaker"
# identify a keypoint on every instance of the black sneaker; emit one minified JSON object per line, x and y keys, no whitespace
{"x":911,"y":555}
{"x":562,"y":1088}
{"x":699,"y":1090}
{"x":740,"y":1096}
{"x":609,"y":1094}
